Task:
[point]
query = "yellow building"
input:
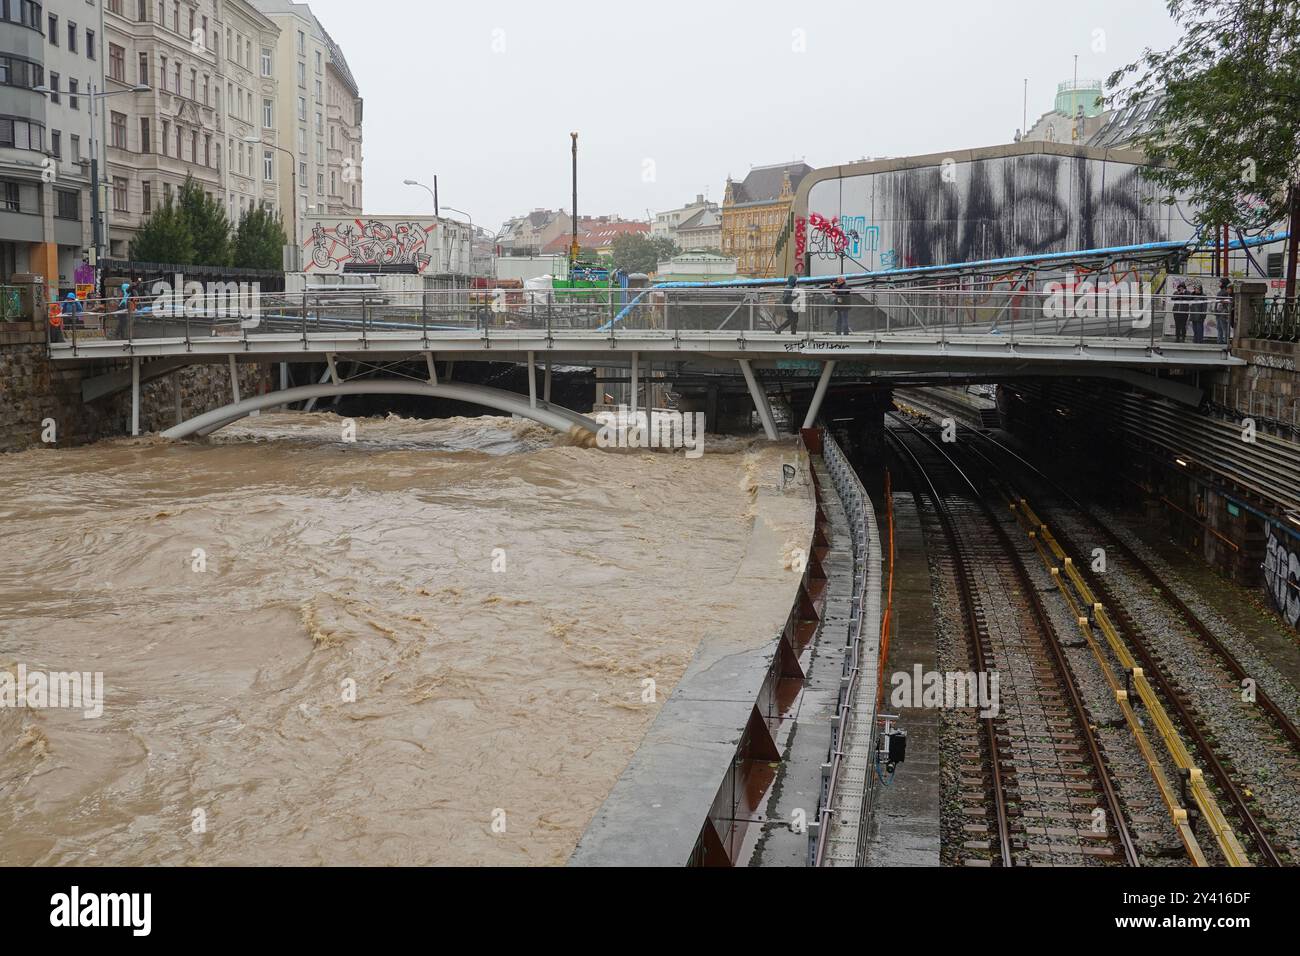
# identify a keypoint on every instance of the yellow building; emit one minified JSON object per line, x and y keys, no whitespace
{"x":755,"y":212}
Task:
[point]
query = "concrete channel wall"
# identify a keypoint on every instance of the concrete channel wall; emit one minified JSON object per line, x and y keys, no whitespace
{"x":738,"y":765}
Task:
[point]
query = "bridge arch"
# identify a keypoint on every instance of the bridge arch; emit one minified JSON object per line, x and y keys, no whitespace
{"x":553,"y":416}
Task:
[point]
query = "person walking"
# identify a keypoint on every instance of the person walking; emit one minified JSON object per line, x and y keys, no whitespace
{"x":72,"y":310}
{"x":1182,"y":300}
{"x":840,"y":290}
{"x":788,"y":300}
{"x":1223,"y":312}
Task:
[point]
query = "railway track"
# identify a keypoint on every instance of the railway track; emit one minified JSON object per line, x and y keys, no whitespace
{"x":1037,"y":763}
{"x":1177,"y":695}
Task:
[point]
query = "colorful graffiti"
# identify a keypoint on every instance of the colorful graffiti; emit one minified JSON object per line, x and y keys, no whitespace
{"x":334,"y":245}
{"x":1282,"y":574}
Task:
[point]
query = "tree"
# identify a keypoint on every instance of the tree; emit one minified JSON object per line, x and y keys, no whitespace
{"x":1227,"y":129}
{"x":638,"y":252}
{"x":164,"y":237}
{"x":259,"y":240}
{"x":208,"y":225}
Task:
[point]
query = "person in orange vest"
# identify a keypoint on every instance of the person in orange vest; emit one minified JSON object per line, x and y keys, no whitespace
{"x":56,"y":322}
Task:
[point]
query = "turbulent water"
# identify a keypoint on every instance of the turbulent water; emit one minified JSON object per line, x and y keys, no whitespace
{"x":427,"y":646}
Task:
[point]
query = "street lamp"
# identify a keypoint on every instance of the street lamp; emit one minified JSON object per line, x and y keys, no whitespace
{"x":94,"y":96}
{"x":432,"y":195}
{"x":293,"y":186}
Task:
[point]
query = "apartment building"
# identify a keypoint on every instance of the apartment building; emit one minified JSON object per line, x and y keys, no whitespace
{"x":50,"y":62}
{"x":318,"y":104}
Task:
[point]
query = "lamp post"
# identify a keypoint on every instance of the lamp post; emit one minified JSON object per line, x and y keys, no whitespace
{"x":293,"y":185}
{"x":95,"y":94}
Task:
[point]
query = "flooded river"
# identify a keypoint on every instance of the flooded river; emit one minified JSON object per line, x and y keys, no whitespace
{"x":429,"y":646}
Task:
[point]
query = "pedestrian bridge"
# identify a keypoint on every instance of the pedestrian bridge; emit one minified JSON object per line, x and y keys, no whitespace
{"x":996,"y":330}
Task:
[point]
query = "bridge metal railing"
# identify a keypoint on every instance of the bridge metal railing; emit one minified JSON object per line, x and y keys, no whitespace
{"x":932,"y":314}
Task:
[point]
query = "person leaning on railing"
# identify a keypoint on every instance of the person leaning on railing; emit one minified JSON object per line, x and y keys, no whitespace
{"x":1182,"y":300}
{"x":1198,"y":306}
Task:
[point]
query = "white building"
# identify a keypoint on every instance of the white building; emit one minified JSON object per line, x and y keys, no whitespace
{"x":665,"y":223}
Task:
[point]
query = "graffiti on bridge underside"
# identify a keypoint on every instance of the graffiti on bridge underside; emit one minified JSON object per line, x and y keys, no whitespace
{"x":1282,"y":575}
{"x":376,"y":243}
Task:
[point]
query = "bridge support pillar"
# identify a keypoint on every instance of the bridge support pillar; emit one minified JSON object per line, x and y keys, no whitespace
{"x":760,"y":399}
{"x":234,"y":380}
{"x":135,"y":395}
{"x":433,"y":369}
{"x":636,"y":378}
{"x":819,"y":394}
{"x":546,"y":381}
{"x":532,"y":381}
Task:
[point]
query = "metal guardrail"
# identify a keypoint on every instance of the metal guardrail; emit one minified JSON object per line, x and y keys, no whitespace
{"x":935,"y":314}
{"x":11,"y":304}
{"x":865,"y":603}
{"x":1275,"y":319}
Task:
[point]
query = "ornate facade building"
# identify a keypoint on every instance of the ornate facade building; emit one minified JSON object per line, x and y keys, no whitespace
{"x":756,"y":214}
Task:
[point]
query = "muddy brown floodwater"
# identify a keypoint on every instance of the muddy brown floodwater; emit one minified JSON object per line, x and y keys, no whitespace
{"x":233,"y":593}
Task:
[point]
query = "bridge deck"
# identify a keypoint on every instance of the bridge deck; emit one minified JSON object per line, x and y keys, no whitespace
{"x":932,"y":350}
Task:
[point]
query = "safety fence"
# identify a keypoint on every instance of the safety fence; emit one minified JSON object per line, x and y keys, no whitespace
{"x":234,"y":310}
{"x":852,"y":745}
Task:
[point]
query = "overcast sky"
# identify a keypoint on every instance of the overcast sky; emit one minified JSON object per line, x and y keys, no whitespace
{"x":670,"y":97}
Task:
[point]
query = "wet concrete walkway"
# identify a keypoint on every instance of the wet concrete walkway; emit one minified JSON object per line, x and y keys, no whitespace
{"x":904,"y":822}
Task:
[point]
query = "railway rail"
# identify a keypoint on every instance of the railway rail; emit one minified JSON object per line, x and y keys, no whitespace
{"x":1036,"y":776}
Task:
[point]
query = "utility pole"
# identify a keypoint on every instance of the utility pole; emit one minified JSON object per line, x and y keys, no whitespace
{"x":573,"y":242}
{"x":1292,"y":242}
{"x":435,"y":196}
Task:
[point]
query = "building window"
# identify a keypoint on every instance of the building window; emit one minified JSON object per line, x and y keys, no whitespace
{"x":75,"y":143}
{"x":54,"y":87}
{"x":268,"y":114}
{"x":117,"y":130}
{"x":302,"y":42}
{"x":144,"y":135}
{"x":90,"y":44}
{"x":302,"y":74}
{"x":162,"y":74}
{"x":146,"y":198}
{"x":320,"y":184}
{"x":67,"y":204}
{"x":72,"y":94}
{"x":53,"y":31}
{"x":119,"y":194}
{"x":117,"y":62}
{"x":72,"y":38}
{"x":207,"y":149}
{"x":266,"y":61}
{"x":56,"y":144}
{"x":13,"y":198}
{"x":143,"y":69}
{"x":268,"y":166}
{"x":15,"y":71}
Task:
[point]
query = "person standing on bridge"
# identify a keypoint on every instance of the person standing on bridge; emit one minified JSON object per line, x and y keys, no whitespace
{"x":1182,"y":300}
{"x":788,"y":300}
{"x":840,"y":290}
{"x":1199,"y":302}
{"x":1223,"y":312}
{"x":125,"y":308}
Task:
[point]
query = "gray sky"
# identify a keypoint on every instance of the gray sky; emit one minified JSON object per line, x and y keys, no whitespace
{"x":671,"y":97}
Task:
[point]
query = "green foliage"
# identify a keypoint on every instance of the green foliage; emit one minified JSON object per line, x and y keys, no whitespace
{"x":638,"y":252}
{"x":208,"y":225}
{"x":259,"y":240}
{"x":1228,"y":128}
{"x":164,"y":237}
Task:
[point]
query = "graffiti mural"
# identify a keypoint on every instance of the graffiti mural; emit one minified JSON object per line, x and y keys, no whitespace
{"x":333,"y":245}
{"x":985,"y":209}
{"x":1282,"y":574}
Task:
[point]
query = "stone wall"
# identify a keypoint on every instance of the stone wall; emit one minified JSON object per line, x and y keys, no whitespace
{"x":1272,"y":373}
{"x":33,"y":389}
